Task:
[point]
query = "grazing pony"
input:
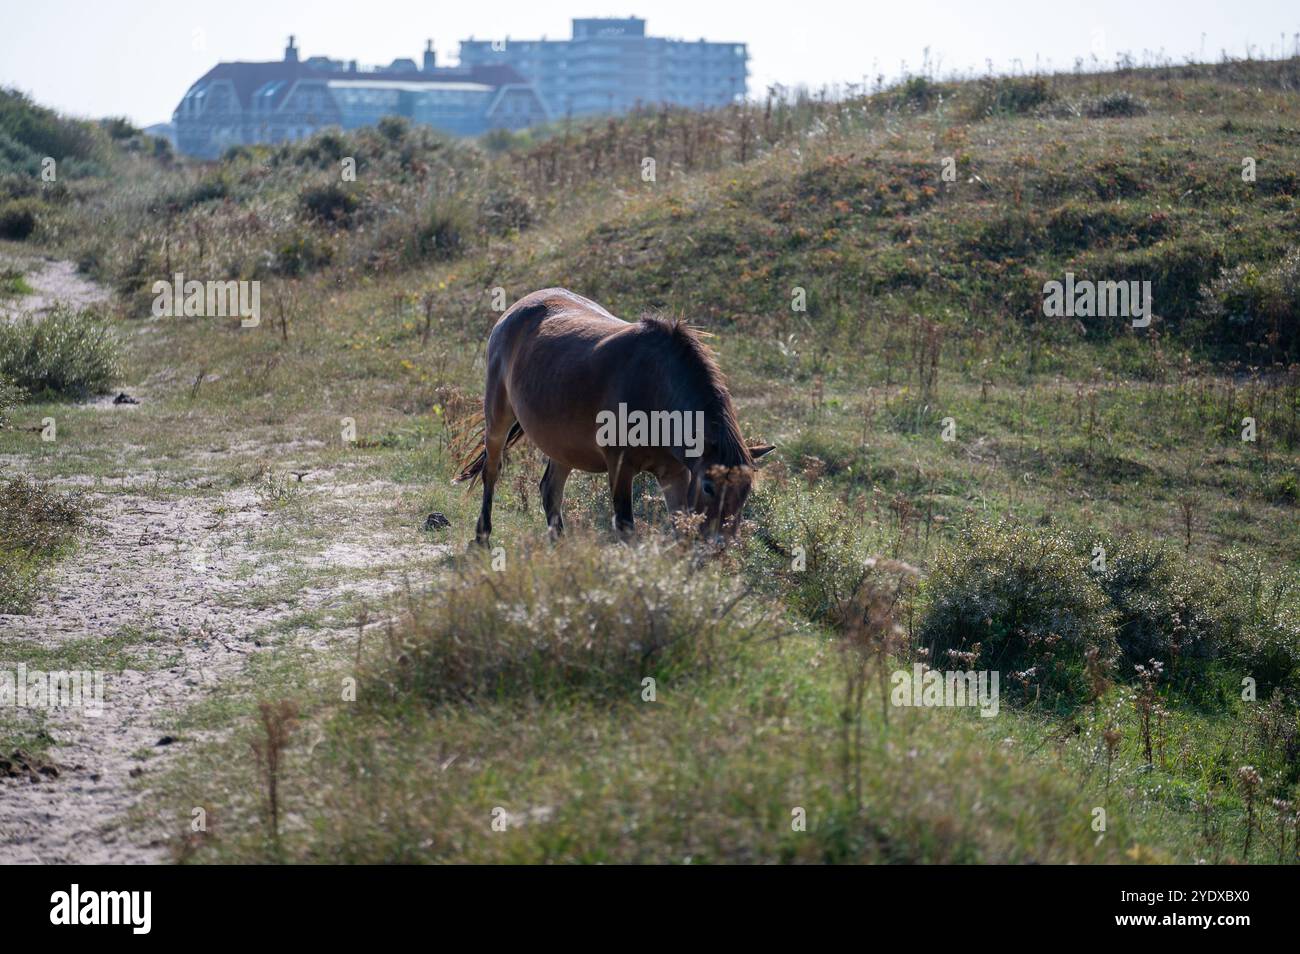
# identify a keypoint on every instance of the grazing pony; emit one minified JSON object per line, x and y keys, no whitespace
{"x":606,"y":396}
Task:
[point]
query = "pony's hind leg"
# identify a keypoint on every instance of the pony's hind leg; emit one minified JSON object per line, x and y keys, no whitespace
{"x":498,"y":419}
{"x":552,"y":490}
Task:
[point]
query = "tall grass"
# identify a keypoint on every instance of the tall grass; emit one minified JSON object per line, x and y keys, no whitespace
{"x":582,"y":620}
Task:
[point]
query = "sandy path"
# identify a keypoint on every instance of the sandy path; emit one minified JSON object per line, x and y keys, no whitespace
{"x":168,"y":579}
{"x":142,"y":571}
{"x":52,"y":281}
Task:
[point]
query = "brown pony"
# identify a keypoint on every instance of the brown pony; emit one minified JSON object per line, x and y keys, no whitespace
{"x":606,"y":396}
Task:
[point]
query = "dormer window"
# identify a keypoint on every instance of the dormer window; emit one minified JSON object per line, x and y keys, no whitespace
{"x":264,"y":98}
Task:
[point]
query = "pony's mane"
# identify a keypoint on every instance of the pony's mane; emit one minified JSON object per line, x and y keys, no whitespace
{"x":705,"y":382}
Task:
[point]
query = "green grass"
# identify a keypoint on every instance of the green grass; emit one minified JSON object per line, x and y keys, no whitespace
{"x":709,"y":772}
{"x":923,"y":316}
{"x":127,"y":649}
{"x":13,"y":283}
{"x":718,"y":765}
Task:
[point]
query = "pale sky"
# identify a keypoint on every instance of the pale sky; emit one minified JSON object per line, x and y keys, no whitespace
{"x":135,"y":58}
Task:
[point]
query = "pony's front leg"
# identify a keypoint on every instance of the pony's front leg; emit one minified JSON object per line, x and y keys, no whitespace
{"x":676,"y":489}
{"x":621,"y":477}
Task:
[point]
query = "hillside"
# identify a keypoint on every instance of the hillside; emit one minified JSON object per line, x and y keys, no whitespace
{"x":866,"y":307}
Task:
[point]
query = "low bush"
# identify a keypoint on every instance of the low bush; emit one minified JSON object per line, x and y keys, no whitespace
{"x":506,"y":208}
{"x":1011,"y":96}
{"x":302,"y":251}
{"x":19,"y":218}
{"x":1117,"y":104}
{"x":808,"y":547}
{"x":1019,"y":601}
{"x":1165,"y":610}
{"x":29,"y":133}
{"x":210,"y":188}
{"x":447,"y":230}
{"x":1263,"y":622}
{"x":1037,"y":602}
{"x":65,"y":353}
{"x":330,"y":203}
{"x":1254,"y":307}
{"x":916,"y":93}
{"x":1177,"y":267}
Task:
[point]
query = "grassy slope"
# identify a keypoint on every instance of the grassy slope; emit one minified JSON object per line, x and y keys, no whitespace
{"x":1086,"y":427}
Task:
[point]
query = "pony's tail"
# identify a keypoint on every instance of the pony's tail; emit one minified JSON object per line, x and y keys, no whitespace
{"x":472,"y":469}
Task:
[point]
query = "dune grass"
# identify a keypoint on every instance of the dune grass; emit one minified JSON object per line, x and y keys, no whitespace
{"x":515,"y":695}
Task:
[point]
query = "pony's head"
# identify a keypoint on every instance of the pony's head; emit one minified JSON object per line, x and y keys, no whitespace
{"x":719,"y":493}
{"x":723,"y":475}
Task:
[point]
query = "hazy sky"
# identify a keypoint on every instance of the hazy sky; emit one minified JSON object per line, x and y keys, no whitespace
{"x":137,"y":57}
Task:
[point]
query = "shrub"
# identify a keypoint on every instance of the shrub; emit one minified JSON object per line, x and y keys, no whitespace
{"x":1254,"y":305}
{"x":809,"y":548}
{"x":330,"y":203}
{"x":302,"y":252}
{"x":32,"y":132}
{"x":238,"y":153}
{"x":1165,"y":610}
{"x":119,"y":128}
{"x":34,"y":517}
{"x":1269,"y":652}
{"x":583,"y":619}
{"x":208,"y":189}
{"x":1263,"y":621}
{"x":393,"y":128}
{"x":1022,"y":602}
{"x":1012,"y":96}
{"x":324,"y":149}
{"x":1121,"y":103}
{"x":506,"y":208}
{"x":1007,"y":235}
{"x":1177,"y":267}
{"x":917,"y":93}
{"x":14,"y":186}
{"x":447,"y":229}
{"x":1077,"y":224}
{"x":18,"y":218}
{"x":506,"y":140}
{"x":162,"y":149}
{"x":36,"y":524}
{"x":65,"y":353}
